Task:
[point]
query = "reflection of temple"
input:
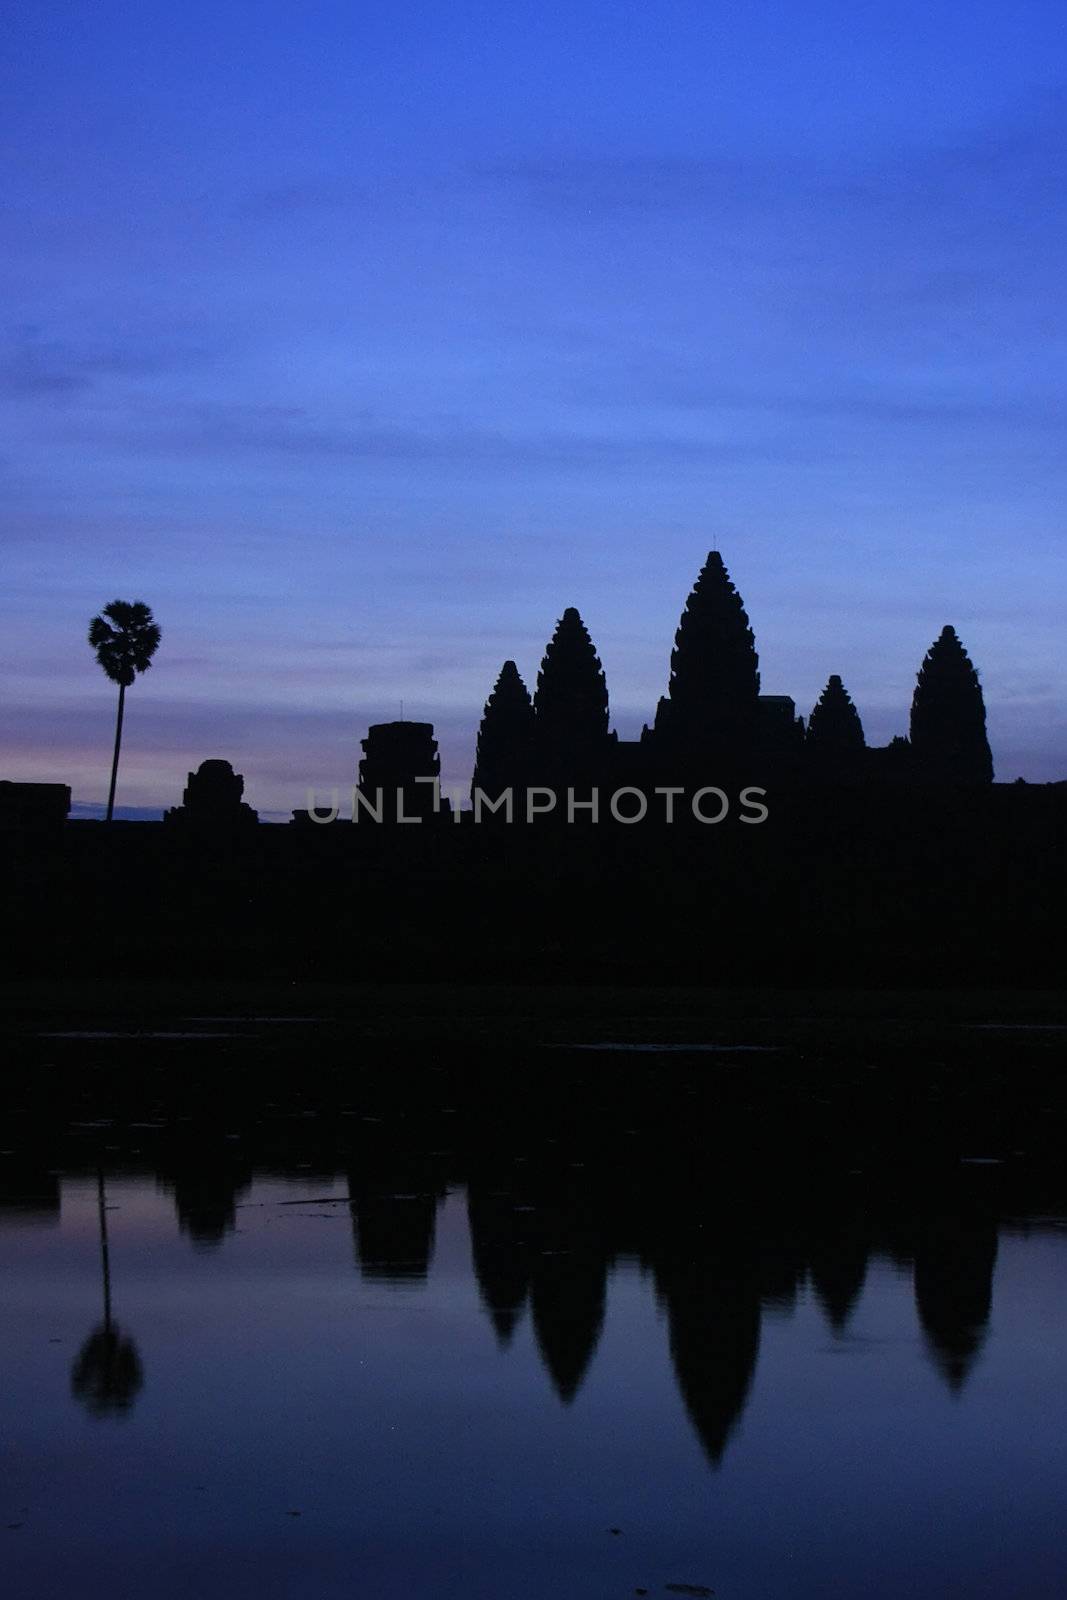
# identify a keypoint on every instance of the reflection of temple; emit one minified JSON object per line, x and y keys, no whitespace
{"x":28,"y":1194}
{"x":205,"y":1193}
{"x":500,"y":1254}
{"x":543,"y":1244}
{"x":838,"y":1265}
{"x":567,"y":1296}
{"x":779,"y":1268}
{"x":713,"y":1311}
{"x":394,"y":1218}
{"x":551,"y":1245}
{"x":546,"y":1231}
{"x":954,"y":1264}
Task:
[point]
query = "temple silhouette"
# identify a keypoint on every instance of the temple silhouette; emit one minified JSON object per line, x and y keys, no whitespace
{"x":212,"y":800}
{"x":904,"y":862}
{"x":713,"y":727}
{"x":713,"y":724}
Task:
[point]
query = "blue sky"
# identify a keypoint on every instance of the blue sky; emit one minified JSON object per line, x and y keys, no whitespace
{"x":360,"y":340}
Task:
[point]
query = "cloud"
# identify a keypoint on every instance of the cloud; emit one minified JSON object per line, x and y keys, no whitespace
{"x":35,"y":366}
{"x":680,"y":381}
{"x":281,"y":201}
{"x":1004,"y":160}
{"x":250,"y":430}
{"x":599,"y":188}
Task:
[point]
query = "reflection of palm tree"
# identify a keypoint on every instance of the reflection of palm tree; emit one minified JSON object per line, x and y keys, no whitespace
{"x":106,"y":1375}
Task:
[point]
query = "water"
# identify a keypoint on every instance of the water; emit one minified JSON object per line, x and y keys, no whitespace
{"x":407,"y":1304}
{"x":540,"y":1370}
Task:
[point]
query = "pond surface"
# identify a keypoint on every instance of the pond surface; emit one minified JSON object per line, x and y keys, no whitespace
{"x":510,"y":1376}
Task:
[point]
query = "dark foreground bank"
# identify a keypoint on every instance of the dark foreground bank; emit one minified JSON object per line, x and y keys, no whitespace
{"x":838,"y":887}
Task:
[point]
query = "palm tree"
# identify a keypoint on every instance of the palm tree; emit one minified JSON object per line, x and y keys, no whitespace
{"x":125,"y":639}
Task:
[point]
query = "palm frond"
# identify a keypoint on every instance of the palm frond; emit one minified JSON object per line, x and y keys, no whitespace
{"x":125,"y":638}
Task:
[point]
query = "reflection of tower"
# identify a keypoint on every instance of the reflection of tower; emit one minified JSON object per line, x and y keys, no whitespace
{"x":568,"y":1278}
{"x":398,"y":769}
{"x":954,"y":1265}
{"x":107,"y":1374}
{"x":779,"y":1267}
{"x":393,"y":1232}
{"x":838,"y":1262}
{"x":28,"y":1195}
{"x":714,"y":1316}
{"x":567,"y":1297}
{"x":205,"y":1195}
{"x":500,"y":1255}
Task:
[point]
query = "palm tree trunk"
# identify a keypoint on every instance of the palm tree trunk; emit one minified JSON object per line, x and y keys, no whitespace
{"x":118,"y":746}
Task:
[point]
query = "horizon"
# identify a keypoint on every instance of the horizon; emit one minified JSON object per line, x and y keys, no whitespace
{"x":456,"y":742}
{"x":360,"y":346}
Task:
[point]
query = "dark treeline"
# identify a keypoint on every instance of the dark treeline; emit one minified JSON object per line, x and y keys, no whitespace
{"x":572,"y":1163}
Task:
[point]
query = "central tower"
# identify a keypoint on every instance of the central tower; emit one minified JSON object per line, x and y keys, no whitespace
{"x":711,"y":707}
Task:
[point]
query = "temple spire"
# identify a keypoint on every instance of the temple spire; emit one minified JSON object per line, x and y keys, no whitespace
{"x":571,"y":700}
{"x":948,"y":732}
{"x":506,"y":735}
{"x":714,"y":686}
{"x":834,"y":741}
